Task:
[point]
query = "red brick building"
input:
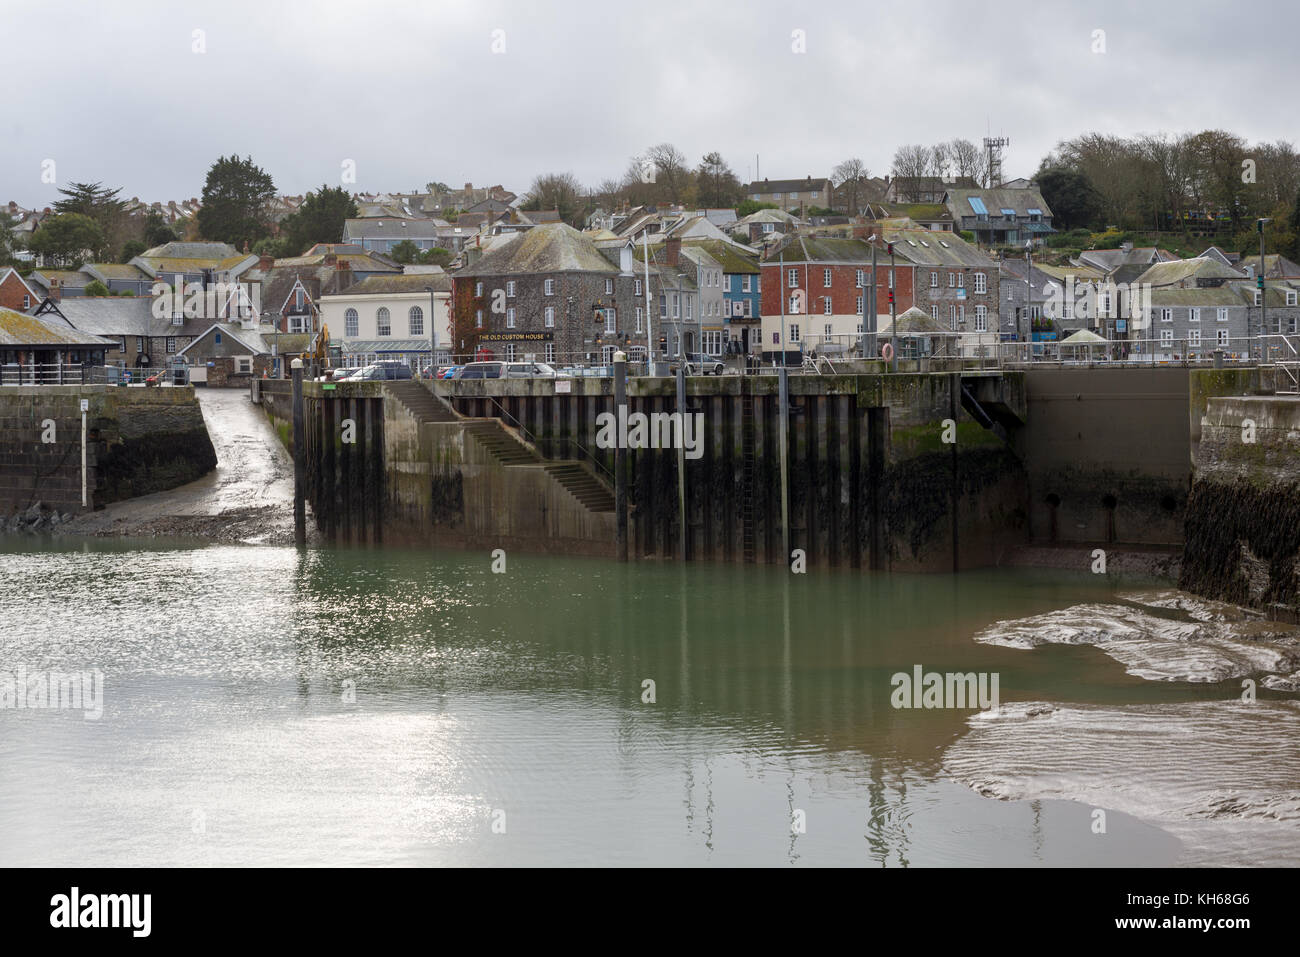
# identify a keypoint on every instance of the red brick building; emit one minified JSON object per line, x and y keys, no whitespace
{"x":14,"y":292}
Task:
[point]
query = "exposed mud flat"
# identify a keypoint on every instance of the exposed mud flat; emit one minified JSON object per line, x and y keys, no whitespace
{"x":1221,"y":776}
{"x":1166,"y":636}
{"x":248,"y":498}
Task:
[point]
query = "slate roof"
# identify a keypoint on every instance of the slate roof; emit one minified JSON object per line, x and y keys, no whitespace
{"x":787,"y":185}
{"x":926,"y":248}
{"x":112,"y":315}
{"x":117,"y":270}
{"x":68,"y":278}
{"x":17,"y":330}
{"x":995,"y":200}
{"x":1187,"y":270}
{"x":553,"y":247}
{"x":1212,"y":296}
{"x":388,"y":227}
{"x":1278,"y":267}
{"x":403,"y":284}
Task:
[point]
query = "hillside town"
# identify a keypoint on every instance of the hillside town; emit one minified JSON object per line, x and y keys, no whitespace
{"x":935,"y":259}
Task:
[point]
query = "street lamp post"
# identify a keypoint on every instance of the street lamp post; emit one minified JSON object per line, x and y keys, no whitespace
{"x":1259,"y":282}
{"x":275,"y":344}
{"x":433,"y":330}
{"x":1029,"y":289}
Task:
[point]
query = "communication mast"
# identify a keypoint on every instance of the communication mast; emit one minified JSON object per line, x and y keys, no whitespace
{"x":993,"y":150}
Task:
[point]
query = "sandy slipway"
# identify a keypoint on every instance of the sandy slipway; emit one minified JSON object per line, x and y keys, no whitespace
{"x":248,"y":498}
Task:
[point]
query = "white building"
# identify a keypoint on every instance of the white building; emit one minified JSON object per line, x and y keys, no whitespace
{"x":405,"y":317}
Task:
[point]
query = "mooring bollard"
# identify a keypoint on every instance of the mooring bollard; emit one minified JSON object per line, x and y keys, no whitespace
{"x":299,"y":442}
{"x":620,"y":456}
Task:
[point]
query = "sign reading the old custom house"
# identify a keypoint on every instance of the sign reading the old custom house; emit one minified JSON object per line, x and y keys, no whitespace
{"x":516,"y":337}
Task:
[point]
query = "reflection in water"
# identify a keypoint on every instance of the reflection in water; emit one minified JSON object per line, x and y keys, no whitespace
{"x":359,"y":706}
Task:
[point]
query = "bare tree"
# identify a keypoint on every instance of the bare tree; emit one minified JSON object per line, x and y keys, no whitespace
{"x":558,"y":191}
{"x":849,"y":178}
{"x":911,"y":165}
{"x":968,"y":160}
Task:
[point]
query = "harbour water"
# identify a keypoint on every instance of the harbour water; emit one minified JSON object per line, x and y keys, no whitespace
{"x":351,"y":706}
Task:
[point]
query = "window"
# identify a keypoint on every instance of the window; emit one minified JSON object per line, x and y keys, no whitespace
{"x":952,"y":280}
{"x":1291,"y":297}
{"x":859,"y":328}
{"x":826,"y":305}
{"x":636,"y":286}
{"x":478,"y":289}
{"x":677,"y":306}
{"x":713,"y":342}
{"x":689,"y":307}
{"x":794,"y":306}
{"x":1221,"y":314}
{"x":609,"y":287}
{"x":1258,"y":296}
{"x":352,"y":323}
{"x":415,"y":320}
{"x":171,"y":344}
{"x":860,"y":278}
{"x":510,"y":317}
{"x":981,"y":318}
{"x":548,"y":287}
{"x":792,"y":278}
{"x":961,"y":313}
{"x":826,"y":330}
{"x":121,"y":343}
{"x":934,"y":312}
{"x":640,"y":315}
{"x":383,"y":322}
{"x":858,"y":305}
{"x":934,"y":280}
{"x":745,"y":283}
{"x":794,"y":332}
{"x":961,"y":280}
{"x":478,"y":318}
{"x":952,"y":313}
{"x":1194,"y":338}
{"x":510,"y":352}
{"x":1223,"y":337}
{"x":297,"y":299}
{"x":27,"y":302}
{"x":606,"y":354}
{"x":1166,"y":315}
{"x":1194,"y":315}
{"x":794,"y":195}
{"x":244,"y":364}
{"x":611,"y":317}
{"x":726,"y":284}
{"x":981,"y":283}
{"x":1166,"y":337}
{"x":550,"y":317}
{"x":663,"y":306}
{"x":549,"y":353}
{"x":139,"y":343}
{"x":510,"y":288}
{"x":826,"y":279}
{"x":769,"y":227}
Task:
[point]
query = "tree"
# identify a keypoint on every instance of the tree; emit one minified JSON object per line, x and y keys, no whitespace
{"x":96,"y":288}
{"x":133,"y":248}
{"x":405,"y":252}
{"x":717,"y":184}
{"x":1069,"y":196}
{"x":558,"y":191}
{"x":437,"y":256}
{"x":1294,"y":223}
{"x":8,"y":244}
{"x":277,"y":248}
{"x":157,"y":231}
{"x":320,"y":219}
{"x":911,"y":164}
{"x":67,"y":238}
{"x":101,"y":205}
{"x":235,"y":198}
{"x":968,"y":160}
{"x":748,"y":207}
{"x":849,"y":179}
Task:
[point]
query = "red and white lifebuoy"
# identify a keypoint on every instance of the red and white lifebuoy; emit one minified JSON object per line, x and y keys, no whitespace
{"x":887,"y":351}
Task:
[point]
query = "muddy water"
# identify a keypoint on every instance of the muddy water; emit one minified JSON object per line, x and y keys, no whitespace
{"x":352,"y":706}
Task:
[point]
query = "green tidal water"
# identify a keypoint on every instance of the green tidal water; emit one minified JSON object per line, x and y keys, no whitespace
{"x":263,"y":706}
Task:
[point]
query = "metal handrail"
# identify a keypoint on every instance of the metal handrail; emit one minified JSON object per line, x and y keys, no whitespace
{"x":536,"y":442}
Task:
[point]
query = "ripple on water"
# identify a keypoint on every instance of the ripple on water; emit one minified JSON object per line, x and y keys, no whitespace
{"x":1223,"y":776}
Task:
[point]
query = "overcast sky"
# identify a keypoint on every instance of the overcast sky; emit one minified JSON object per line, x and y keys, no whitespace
{"x":413,"y":92}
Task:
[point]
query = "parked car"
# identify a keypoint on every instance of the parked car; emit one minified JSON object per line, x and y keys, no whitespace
{"x":506,"y":370}
{"x":339,"y":374}
{"x":386,"y":369}
{"x":698,"y":363}
{"x":448,"y":372}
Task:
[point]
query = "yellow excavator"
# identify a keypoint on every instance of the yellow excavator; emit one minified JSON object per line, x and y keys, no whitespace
{"x":323,"y":357}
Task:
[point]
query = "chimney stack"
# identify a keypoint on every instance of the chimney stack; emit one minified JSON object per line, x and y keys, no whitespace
{"x":266,"y":262}
{"x":344,"y":273}
{"x":672,"y":250}
{"x":56,"y":291}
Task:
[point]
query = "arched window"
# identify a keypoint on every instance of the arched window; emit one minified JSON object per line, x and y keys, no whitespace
{"x":416,"y":316}
{"x":383,"y":322}
{"x":351,"y":324}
